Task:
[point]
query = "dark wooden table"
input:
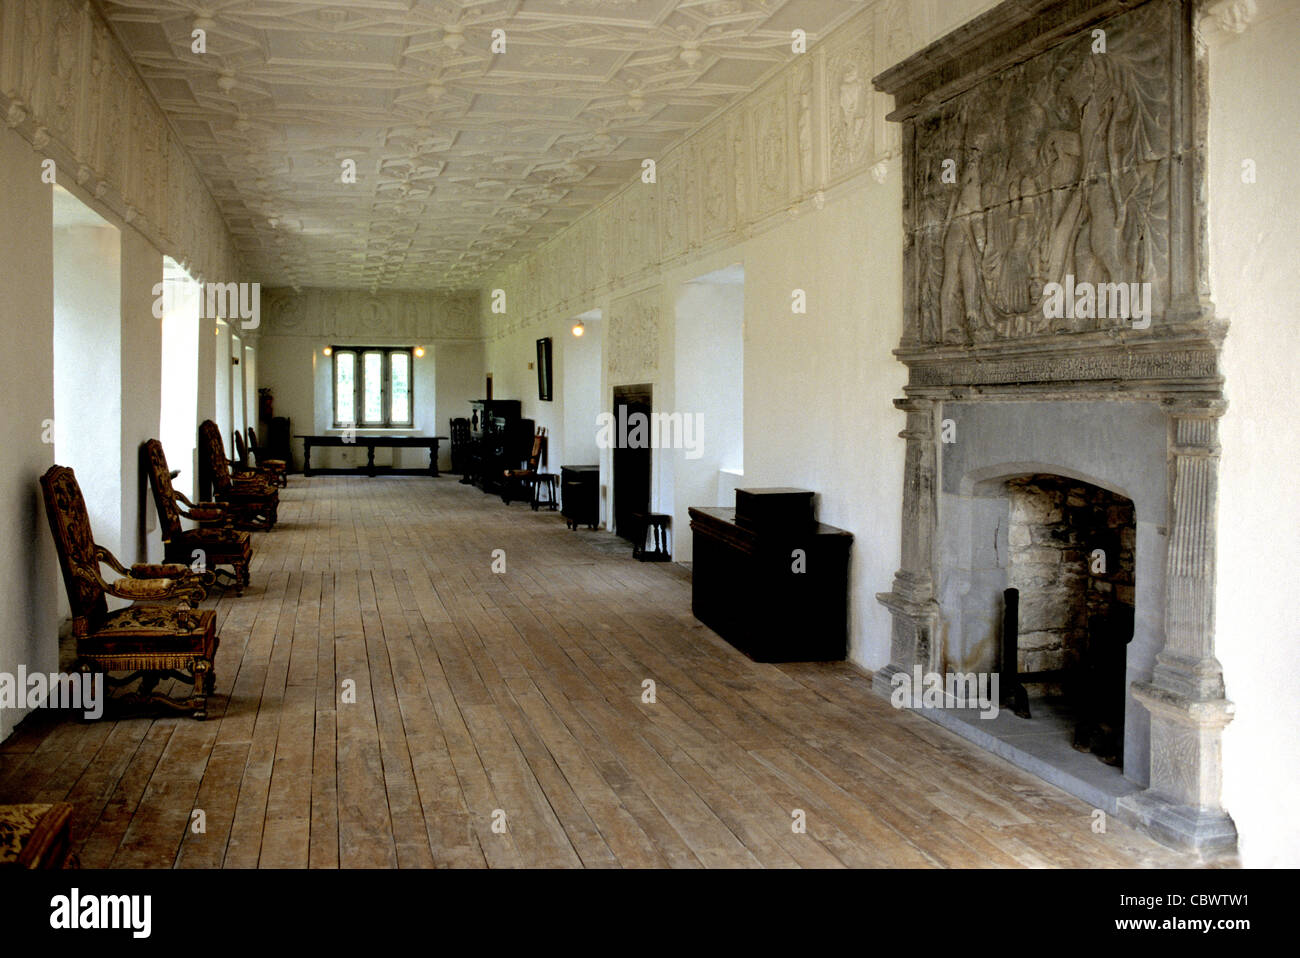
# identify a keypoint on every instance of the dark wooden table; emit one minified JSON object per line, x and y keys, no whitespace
{"x":370,"y":443}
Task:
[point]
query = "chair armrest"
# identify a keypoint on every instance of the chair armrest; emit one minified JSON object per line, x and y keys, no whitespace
{"x":110,"y":560}
{"x":140,"y":589}
{"x":204,"y":515}
{"x":202,"y":512}
{"x":159,"y":570}
{"x":135,"y":590}
{"x":203,"y":504}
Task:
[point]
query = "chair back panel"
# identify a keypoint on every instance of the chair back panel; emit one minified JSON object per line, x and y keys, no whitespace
{"x":164,"y":496}
{"x":65,"y":507}
{"x":241,"y":453}
{"x":253,"y":444}
{"x":535,"y":456}
{"x":213,"y":451}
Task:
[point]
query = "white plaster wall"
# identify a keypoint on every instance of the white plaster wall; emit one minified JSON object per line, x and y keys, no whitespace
{"x":508,"y":361}
{"x":178,"y":415}
{"x":29,"y":573}
{"x":709,"y":367}
{"x":87,"y":271}
{"x":1255,"y":245}
{"x":222,"y":385}
{"x":141,"y":339}
{"x":458,"y":377}
{"x":577,"y":380}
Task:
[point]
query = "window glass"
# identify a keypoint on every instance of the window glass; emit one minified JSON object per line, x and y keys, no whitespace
{"x":400,"y":393}
{"x":345,"y":387}
{"x":372,"y":399}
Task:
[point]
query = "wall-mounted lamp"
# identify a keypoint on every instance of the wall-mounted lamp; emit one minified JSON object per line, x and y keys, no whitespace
{"x":327,"y":351}
{"x":578,"y":328}
{"x":419,"y":352}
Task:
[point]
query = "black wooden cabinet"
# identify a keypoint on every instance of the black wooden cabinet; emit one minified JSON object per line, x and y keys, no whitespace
{"x":500,"y":439}
{"x":778,"y":591}
{"x":580,"y":495}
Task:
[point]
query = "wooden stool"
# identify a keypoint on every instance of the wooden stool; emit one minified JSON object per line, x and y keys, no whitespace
{"x":549,"y":480}
{"x":36,"y":836}
{"x":653,"y":526}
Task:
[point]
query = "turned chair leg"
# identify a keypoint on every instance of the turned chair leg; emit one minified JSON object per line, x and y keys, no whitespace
{"x":204,"y":679}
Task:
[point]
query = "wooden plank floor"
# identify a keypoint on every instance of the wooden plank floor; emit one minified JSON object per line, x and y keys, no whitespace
{"x":386,"y":699}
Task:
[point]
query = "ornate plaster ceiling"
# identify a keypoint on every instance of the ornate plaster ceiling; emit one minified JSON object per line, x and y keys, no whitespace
{"x":465,"y":158}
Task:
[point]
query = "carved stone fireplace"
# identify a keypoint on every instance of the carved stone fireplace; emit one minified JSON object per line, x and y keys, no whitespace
{"x":1054,"y":149}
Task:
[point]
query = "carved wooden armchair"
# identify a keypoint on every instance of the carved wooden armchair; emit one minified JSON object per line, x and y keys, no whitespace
{"x":277,"y":470}
{"x":523,"y":479}
{"x":252,"y":499}
{"x":216,"y":540}
{"x":151,"y":642}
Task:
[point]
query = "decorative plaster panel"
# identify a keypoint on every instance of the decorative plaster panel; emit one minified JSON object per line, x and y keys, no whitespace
{"x":634,"y":337}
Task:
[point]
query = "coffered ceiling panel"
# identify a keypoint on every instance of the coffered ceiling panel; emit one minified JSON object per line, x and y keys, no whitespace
{"x":465,"y":158}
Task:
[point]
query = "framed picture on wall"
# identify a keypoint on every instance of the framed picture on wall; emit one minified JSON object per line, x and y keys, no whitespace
{"x":544,"y":369}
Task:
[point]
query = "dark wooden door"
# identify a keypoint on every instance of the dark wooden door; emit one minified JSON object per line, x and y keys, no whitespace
{"x":631,"y":457}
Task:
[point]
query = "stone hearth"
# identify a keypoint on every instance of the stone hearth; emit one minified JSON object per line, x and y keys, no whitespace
{"x":1053,"y":144}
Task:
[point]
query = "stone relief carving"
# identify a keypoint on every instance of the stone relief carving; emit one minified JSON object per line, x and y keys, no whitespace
{"x":1068,"y":166}
{"x":1057,"y":168}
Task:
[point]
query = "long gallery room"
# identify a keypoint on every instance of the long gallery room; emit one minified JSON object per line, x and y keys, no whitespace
{"x":650,"y":434}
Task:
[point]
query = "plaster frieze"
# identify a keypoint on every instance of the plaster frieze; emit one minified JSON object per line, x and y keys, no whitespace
{"x":371,"y":318}
{"x":813,"y":130}
{"x":70,"y":90}
{"x":634,"y":336}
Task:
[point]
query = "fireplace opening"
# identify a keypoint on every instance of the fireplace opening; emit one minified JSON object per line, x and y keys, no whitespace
{"x":1070,"y":561}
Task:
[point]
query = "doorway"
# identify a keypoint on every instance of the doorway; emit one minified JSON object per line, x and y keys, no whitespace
{"x":632,"y":407}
